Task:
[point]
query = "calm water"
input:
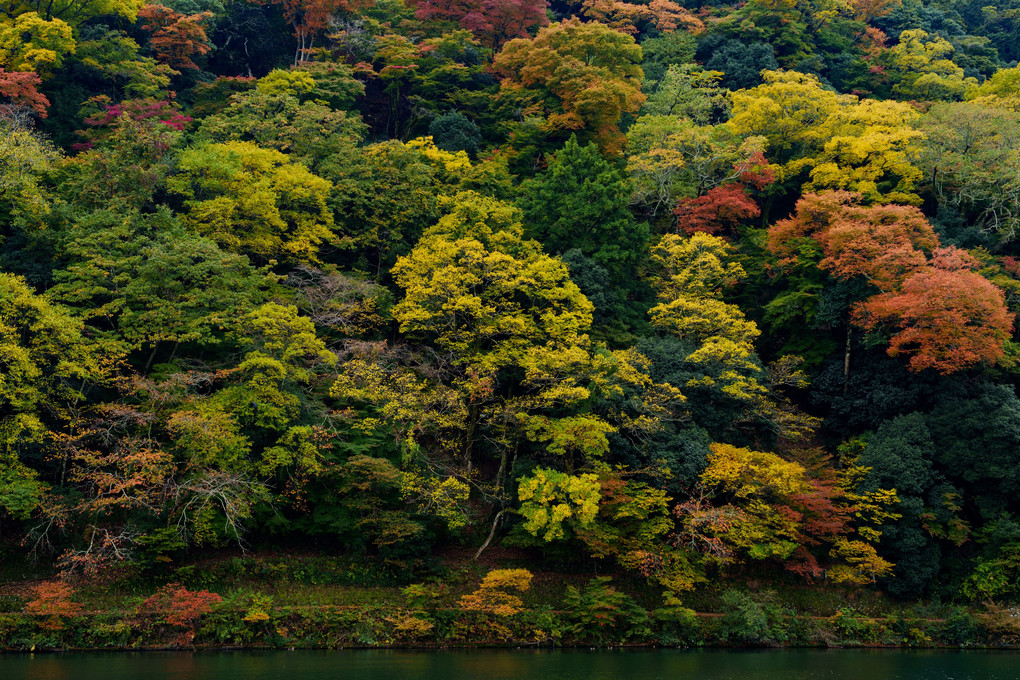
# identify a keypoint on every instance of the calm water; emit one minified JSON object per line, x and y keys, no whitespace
{"x":520,"y":665}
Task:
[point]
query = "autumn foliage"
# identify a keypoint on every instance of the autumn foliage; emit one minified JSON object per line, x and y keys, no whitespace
{"x":53,"y":601}
{"x":493,"y":21}
{"x":176,"y":38}
{"x":946,"y":319}
{"x":579,"y":76}
{"x":496,"y":594}
{"x":937,"y":310}
{"x":181,"y":607}
{"x":724,"y":207}
{"x":20,"y":89}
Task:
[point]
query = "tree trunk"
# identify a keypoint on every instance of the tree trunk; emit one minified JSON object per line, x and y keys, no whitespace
{"x":492,"y":532}
{"x":846,"y":360}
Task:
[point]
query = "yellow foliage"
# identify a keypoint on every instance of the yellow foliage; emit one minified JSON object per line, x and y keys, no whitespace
{"x":748,"y":474}
{"x":30,"y":43}
{"x":293,"y":83}
{"x":493,"y":596}
{"x":452,"y":162}
{"x":867,"y":146}
{"x":443,"y":498}
{"x":693,"y":274}
{"x":861,"y":563}
{"x":550,"y":498}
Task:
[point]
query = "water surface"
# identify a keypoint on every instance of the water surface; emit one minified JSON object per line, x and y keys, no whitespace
{"x":519,"y":665}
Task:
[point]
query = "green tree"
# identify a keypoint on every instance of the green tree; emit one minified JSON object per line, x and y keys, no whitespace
{"x":254,"y":201}
{"x":45,"y":364}
{"x":143,"y":281}
{"x":582,"y":201}
{"x":308,"y":131}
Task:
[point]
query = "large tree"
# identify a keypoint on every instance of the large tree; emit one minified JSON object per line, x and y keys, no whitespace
{"x":578,"y":77}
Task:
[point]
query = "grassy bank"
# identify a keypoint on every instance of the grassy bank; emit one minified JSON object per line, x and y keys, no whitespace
{"x":314,"y":601}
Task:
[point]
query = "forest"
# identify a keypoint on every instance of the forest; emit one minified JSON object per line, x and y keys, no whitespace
{"x":687,"y":292}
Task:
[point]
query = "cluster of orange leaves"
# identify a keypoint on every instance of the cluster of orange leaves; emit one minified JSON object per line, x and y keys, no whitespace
{"x":939,"y":310}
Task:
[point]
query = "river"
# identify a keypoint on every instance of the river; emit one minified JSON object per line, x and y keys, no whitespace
{"x":836,"y":664}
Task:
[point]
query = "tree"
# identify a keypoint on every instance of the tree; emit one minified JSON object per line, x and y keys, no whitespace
{"x":881,"y":243}
{"x":581,"y":201}
{"x":253,"y":200}
{"x":306,"y":131}
{"x":580,"y":77}
{"x":455,"y":132}
{"x":30,"y":43}
{"x":662,"y":15}
{"x":687,"y":91}
{"x":511,"y":327}
{"x":901,"y":455}
{"x":671,"y":159}
{"x":143,"y":281}
{"x":873,"y":150}
{"x":46,"y":364}
{"x":841,"y":143}
{"x":309,"y":18}
{"x":724,"y":207}
{"x":493,"y":21}
{"x":498,"y":21}
{"x":53,"y":600}
{"x":949,"y":319}
{"x":20,"y":90}
{"x":76,"y":12}
{"x":772,"y":508}
{"x":887,"y":245}
{"x":921,"y":67}
{"x":969,"y":158}
{"x":741,"y":63}
{"x":692,"y":275}
{"x":176,"y":38}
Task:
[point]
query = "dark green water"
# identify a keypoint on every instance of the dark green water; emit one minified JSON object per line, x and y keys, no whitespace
{"x":520,"y":665}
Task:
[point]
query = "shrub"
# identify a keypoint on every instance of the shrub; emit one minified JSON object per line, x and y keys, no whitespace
{"x":601,"y":613}
{"x":752,"y":621}
{"x":53,"y":600}
{"x":493,"y":596}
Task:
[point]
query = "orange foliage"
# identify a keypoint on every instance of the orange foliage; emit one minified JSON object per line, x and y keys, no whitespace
{"x":53,"y":600}
{"x":581,"y":76}
{"x":948,"y":319}
{"x":176,"y":38}
{"x":493,"y":21}
{"x":866,"y":10}
{"x":885,"y":243}
{"x":664,"y":15}
{"x":182,"y":607}
{"x":493,"y":596}
{"x":19,"y":89}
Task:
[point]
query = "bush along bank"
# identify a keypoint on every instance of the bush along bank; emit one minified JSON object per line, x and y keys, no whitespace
{"x":493,"y":614}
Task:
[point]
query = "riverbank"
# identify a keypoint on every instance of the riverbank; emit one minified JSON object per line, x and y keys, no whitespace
{"x":321,"y":602}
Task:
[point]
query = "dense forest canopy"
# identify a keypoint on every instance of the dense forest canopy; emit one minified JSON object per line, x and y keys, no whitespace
{"x":691,"y":289}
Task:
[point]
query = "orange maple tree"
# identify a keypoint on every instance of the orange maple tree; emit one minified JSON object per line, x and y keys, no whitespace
{"x":948,"y":319}
{"x":176,"y":38}
{"x":18,"y":90}
{"x":940,"y":312}
{"x":53,"y":600}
